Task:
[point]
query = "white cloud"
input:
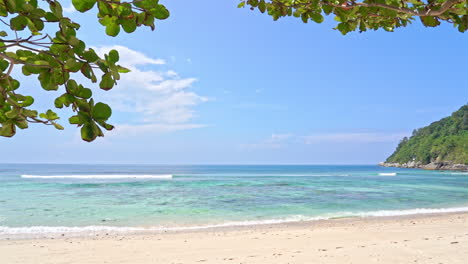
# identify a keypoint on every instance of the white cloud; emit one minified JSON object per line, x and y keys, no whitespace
{"x":135,"y":130}
{"x":275,"y":141}
{"x":163,"y":99}
{"x":172,"y":85}
{"x":129,"y":57}
{"x":69,"y":9}
{"x":364,"y":137}
{"x":172,"y":73}
{"x":279,"y":137}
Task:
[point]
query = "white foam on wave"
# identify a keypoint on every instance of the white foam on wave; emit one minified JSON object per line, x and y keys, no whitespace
{"x":102,"y":176}
{"x":51,"y":230}
{"x":388,"y":174}
{"x":91,"y":230}
{"x":459,"y":173}
{"x":266,"y":175}
{"x":413,"y":211}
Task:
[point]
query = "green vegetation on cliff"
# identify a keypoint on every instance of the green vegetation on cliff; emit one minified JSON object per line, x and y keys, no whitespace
{"x":443,"y":141}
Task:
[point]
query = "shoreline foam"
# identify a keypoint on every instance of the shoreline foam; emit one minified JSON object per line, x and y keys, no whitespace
{"x":440,"y":238}
{"x":52,"y":231}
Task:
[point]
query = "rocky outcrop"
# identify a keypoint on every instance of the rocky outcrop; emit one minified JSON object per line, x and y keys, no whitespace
{"x":430,"y":166}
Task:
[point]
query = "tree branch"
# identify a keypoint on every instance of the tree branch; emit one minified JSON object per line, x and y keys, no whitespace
{"x":430,"y":12}
{"x":444,"y":7}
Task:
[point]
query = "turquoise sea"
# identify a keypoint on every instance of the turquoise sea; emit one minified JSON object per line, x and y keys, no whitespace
{"x":42,"y":199}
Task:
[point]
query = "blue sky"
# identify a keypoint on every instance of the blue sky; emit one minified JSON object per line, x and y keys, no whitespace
{"x":214,"y":84}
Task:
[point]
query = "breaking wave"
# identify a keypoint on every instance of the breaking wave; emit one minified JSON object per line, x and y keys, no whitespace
{"x":388,"y":174}
{"x":103,"y":176}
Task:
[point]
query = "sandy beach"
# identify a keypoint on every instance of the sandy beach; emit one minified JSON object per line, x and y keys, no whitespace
{"x":437,"y":239}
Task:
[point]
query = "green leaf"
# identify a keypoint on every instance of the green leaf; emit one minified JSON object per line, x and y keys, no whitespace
{"x":27,"y":101}
{"x":84,"y":93}
{"x":88,"y":72}
{"x":129,"y":25}
{"x":73,"y":41}
{"x":56,"y":8}
{"x":50,"y":17}
{"x":73,"y":65}
{"x":87,"y":133}
{"x":83,"y":5}
{"x":327,"y":9}
{"x":122,"y":69}
{"x":262,"y":6}
{"x":105,"y":125}
{"x":90,"y":55}
{"x":8,"y":130}
{"x":59,"y":102}
{"x":101,"y":111}
{"x":4,"y":65}
{"x":13,"y":113}
{"x":112,"y":29}
{"x":74,"y":120}
{"x":58,"y":126}
{"x":18,"y":22}
{"x":21,"y":123}
{"x":344,"y":28}
{"x":107,"y":82}
{"x":30,"y":113}
{"x":50,"y":115}
{"x":318,"y":18}
{"x":429,"y":21}
{"x":113,"y":56}
{"x":79,"y":48}
{"x":104,"y":9}
{"x":161,"y":12}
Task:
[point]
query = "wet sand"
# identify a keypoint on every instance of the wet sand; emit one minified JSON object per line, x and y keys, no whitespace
{"x":441,"y":238}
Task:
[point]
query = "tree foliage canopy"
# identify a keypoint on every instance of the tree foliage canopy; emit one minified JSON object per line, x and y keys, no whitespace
{"x":443,"y":141}
{"x":39,"y":40}
{"x":368,"y":14}
{"x":27,"y":42}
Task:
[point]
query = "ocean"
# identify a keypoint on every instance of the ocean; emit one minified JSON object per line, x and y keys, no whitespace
{"x":43,"y":199}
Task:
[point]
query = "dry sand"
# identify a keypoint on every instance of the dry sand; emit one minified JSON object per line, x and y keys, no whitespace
{"x":412,"y":239}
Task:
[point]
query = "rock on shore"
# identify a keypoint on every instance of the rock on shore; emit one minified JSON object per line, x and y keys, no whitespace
{"x":430,"y":166}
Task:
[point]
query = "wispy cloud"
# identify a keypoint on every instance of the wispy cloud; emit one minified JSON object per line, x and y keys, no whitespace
{"x":363,"y":137}
{"x":260,"y":106}
{"x":275,"y":141}
{"x":163,"y":99}
{"x":136,"y":130}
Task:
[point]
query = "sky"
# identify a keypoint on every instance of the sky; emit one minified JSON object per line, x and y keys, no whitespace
{"x":215,"y":84}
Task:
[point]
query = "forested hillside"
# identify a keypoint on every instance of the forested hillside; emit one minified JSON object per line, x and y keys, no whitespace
{"x":443,"y":141}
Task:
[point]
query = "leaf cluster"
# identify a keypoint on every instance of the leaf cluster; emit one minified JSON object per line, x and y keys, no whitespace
{"x":352,"y":15}
{"x":57,"y":59}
